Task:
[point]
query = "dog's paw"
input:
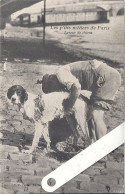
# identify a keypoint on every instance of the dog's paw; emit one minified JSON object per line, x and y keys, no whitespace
{"x":27,"y":151}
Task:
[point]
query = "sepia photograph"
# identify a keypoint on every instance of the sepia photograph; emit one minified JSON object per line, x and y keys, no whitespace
{"x":61,"y":90}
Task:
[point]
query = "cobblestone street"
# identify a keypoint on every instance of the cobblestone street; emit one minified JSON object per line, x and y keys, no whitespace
{"x":22,"y":173}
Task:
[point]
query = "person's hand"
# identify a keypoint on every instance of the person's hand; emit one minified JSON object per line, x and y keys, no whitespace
{"x":104,"y":105}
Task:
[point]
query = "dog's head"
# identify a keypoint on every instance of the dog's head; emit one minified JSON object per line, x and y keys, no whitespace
{"x":17,"y":94}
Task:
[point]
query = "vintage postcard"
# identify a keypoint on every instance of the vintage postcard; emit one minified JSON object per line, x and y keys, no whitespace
{"x":61,"y":90}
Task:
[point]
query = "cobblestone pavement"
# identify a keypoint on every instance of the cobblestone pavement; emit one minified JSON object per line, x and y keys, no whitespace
{"x":22,"y":173}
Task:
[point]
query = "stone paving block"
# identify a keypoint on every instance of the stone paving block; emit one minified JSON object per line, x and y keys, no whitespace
{"x":5,"y":174}
{"x":116,"y":189}
{"x":121,"y":149}
{"x":29,"y":130}
{"x":99,"y":165}
{"x":1,"y":136}
{"x":43,"y":162}
{"x":115,"y":165}
{"x":119,"y":157}
{"x":43,"y":171}
{"x":31,"y":180}
{"x":9,"y":128}
{"x":97,"y":188}
{"x":16,"y":178}
{"x":5,"y":191}
{"x":13,"y":177}
{"x":76,"y":191}
{"x":121,"y":172}
{"x":11,"y":112}
{"x":3,"y":123}
{"x":84,"y":186}
{"x":23,"y":192}
{"x":53,"y":163}
{"x":37,"y":167}
{"x":17,"y":164}
{"x":18,"y":117}
{"x":14,"y":186}
{"x":6,"y":185}
{"x":19,"y":129}
{"x":5,"y":178}
{"x":71,"y":183}
{"x":11,"y":162}
{"x":92,"y":171}
{"x":56,"y":191}
{"x":112,"y":172}
{"x":34,"y":189}
{"x":10,"y":149}
{"x":27,"y":122}
{"x":110,"y":157}
{"x":4,"y":168}
{"x":66,"y":189}
{"x":21,"y":156}
{"x":21,"y":170}
{"x":31,"y":166}
{"x":16,"y":122}
{"x":3,"y":155}
{"x":121,"y":181}
{"x":106,"y":179}
{"x":82,"y":177}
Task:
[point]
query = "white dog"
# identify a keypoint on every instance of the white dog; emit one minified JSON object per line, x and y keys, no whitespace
{"x":45,"y":108}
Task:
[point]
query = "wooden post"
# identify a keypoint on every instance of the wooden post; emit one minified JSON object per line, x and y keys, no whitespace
{"x":44,"y":23}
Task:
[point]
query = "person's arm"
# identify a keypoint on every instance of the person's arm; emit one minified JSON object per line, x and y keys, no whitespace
{"x":65,"y":77}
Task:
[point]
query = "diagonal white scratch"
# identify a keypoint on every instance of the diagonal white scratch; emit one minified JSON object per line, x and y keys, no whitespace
{"x":85,"y":158}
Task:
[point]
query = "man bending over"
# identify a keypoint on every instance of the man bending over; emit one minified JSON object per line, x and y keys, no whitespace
{"x":93,"y":75}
